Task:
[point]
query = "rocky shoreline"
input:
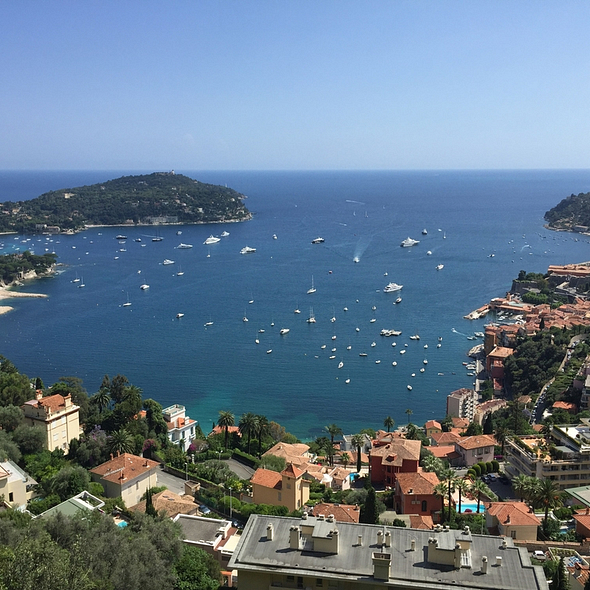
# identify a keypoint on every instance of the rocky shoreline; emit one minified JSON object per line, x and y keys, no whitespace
{"x":6,"y":291}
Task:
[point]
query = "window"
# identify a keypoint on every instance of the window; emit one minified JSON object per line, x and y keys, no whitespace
{"x":319,"y":583}
{"x":513,"y":534}
{"x":11,"y":496}
{"x":424,"y":506}
{"x":288,"y":486}
{"x":280,"y":497}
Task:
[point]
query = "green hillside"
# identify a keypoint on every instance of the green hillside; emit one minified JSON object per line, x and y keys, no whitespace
{"x":161,"y":197}
{"x":572,"y":211}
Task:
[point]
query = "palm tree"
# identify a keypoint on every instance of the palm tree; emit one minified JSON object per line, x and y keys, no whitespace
{"x":501,"y":435}
{"x":248,"y":425}
{"x":440,"y":489}
{"x":531,"y":491}
{"x":409,"y":413}
{"x":519,"y":484}
{"x":548,"y":496}
{"x":460,"y":484}
{"x":449,"y":479}
{"x":263,"y":423}
{"x":333,"y":430}
{"x":388,"y":423}
{"x":358,"y":441}
{"x":477,"y":488}
{"x":345,"y":458}
{"x":101,"y":399}
{"x":226,"y":419}
{"x":121,"y":441}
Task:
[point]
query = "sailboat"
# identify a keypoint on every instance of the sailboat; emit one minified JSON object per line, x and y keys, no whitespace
{"x":81,"y":283}
{"x":312,"y":289}
{"x":297,"y":310}
{"x":311,"y":318}
{"x":180,"y":272}
{"x":77,"y":279}
{"x":127,"y":303}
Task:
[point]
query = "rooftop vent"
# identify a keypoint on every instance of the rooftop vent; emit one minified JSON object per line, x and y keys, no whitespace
{"x":269,"y":532}
{"x":498,"y":561}
{"x":484,"y":565}
{"x":413,"y":545}
{"x":360,"y":541}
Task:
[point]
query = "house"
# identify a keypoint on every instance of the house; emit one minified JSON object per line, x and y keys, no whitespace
{"x":318,"y":552}
{"x":489,"y":407}
{"x":84,"y":501}
{"x":421,"y":522}
{"x":431,"y":427}
{"x":414,"y":493}
{"x":170,"y":504}
{"x":340,"y":512}
{"x":346,"y":444}
{"x":461,"y":403}
{"x":297,"y":454}
{"x":475,"y":449}
{"x":16,"y":487}
{"x":181,"y":428}
{"x":447,"y":453}
{"x":288,"y":488}
{"x":441,"y":439}
{"x":398,"y":456}
{"x":567,"y":406}
{"x":57,"y":416}
{"x":512,"y":519}
{"x":127,"y":476}
{"x":578,"y":573}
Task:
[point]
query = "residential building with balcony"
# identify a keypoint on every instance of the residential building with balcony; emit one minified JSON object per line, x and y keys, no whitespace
{"x":181,"y":428}
{"x":461,"y":403}
{"x":475,"y":449}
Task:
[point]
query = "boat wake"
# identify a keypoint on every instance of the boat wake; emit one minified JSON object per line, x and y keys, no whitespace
{"x":457,"y":332}
{"x":356,"y":202}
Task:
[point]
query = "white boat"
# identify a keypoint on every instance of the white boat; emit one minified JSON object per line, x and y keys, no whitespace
{"x":415,"y":337}
{"x":208,"y":324}
{"x":247,"y":250}
{"x":402,"y":351}
{"x":394,"y":364}
{"x":167,"y":261}
{"x":440,"y":266}
{"x":388,"y":333}
{"x":81,"y":285}
{"x":323,"y":346}
{"x":334,"y":337}
{"x":182,"y":246}
{"x":269,"y":351}
{"x":224,"y":234}
{"x":340,"y":364}
{"x":179,"y":315}
{"x":211,"y":240}
{"x":179,"y":232}
{"x":120,"y":237}
{"x":377,"y":362}
{"x":422,"y":370}
{"x":312,"y":289}
{"x":296,"y":310}
{"x":373,"y":344}
{"x":362,"y":354}
{"x":244,"y":319}
{"x":408,"y":242}
{"x":409,"y":388}
{"x":349,"y":347}
{"x":372,"y":320}
{"x":318,"y":240}
{"x":127,"y":303}
{"x":392,"y":287}
{"x":429,"y":253}
{"x":311,"y":318}
{"x":144,"y":287}
{"x":398,"y":300}
{"x":283,"y":331}
{"x":274,"y":237}
{"x":332,"y":357}
{"x":356,"y":259}
{"x":347,"y":381}
{"x":425,"y":361}
{"x":424,"y":232}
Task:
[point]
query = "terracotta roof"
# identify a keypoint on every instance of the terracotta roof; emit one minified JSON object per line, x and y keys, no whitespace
{"x":564,"y":406}
{"x":443,"y":451}
{"x":583,"y":518}
{"x":124,"y":468}
{"x":475,"y":442}
{"x":396,"y":451}
{"x":292,"y":453}
{"x":221,"y":430}
{"x":444,"y":438}
{"x":341,"y":512}
{"x":501,"y":352}
{"x":170,"y":503}
{"x":267,"y":478}
{"x":512,"y":513}
{"x":292,"y":471}
{"x":54,"y":403}
{"x":463,"y":392}
{"x":432,"y":424}
{"x":421,"y":483}
{"x":460,"y":422}
{"x":421,"y":522}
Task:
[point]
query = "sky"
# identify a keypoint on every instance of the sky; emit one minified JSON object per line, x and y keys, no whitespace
{"x":294,"y":84}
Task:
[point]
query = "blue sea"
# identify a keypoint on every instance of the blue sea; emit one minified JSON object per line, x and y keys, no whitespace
{"x":483,"y":226}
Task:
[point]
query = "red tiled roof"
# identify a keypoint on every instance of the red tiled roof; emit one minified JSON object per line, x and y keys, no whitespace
{"x":421,"y":483}
{"x":221,"y":430}
{"x":513,"y":514}
{"x":124,"y":468}
{"x":396,"y":451}
{"x":432,"y":424}
{"x":341,"y":512}
{"x":475,"y":442}
{"x":267,"y":478}
{"x":421,"y":522}
{"x":444,"y":438}
{"x":54,"y":403}
{"x":292,"y":471}
{"x":442,"y":451}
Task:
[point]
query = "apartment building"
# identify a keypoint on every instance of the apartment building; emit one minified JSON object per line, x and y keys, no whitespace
{"x":461,"y":403}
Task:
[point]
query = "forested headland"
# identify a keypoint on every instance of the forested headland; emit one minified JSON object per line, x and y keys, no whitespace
{"x":570,"y":212}
{"x":150,"y":199}
{"x":19,"y":265}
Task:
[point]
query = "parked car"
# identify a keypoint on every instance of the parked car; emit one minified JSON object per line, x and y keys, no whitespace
{"x":204,"y":509}
{"x":540,"y":555}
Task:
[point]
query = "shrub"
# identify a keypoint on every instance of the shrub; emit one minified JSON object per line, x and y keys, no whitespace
{"x":472,"y":473}
{"x":490,"y":467}
{"x":477,"y":469}
{"x":495,"y":466}
{"x":483,"y":468}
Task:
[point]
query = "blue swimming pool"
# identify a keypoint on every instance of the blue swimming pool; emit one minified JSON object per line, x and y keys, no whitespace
{"x":471,"y":507}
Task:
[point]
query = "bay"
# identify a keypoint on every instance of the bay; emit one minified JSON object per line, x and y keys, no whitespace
{"x":469,"y":216}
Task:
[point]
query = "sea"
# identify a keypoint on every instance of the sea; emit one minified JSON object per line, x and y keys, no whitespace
{"x":482,"y":226}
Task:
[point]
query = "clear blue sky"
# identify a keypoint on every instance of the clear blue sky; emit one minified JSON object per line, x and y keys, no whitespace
{"x":294,"y":84}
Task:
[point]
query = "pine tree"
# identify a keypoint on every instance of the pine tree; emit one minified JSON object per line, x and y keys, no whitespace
{"x":150,"y":509}
{"x":369,"y":513}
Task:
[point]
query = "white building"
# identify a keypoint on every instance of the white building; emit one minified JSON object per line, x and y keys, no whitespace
{"x":181,"y":428}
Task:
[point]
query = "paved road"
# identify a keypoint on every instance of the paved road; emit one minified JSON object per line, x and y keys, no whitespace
{"x":241,"y":470}
{"x":173,"y":483}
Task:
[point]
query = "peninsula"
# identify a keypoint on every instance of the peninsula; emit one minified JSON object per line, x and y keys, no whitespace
{"x":149,"y":199}
{"x":571,"y":214}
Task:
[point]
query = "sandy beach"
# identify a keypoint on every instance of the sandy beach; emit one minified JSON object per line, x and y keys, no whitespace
{"x":5,"y":309}
{"x":6,"y":294}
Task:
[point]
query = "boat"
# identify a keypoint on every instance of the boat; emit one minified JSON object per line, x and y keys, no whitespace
{"x":168,"y":261}
{"x":349,"y":347}
{"x":408,"y":242}
{"x":283,"y":331}
{"x":224,"y":234}
{"x":247,"y":250}
{"x":80,"y":286}
{"x":323,"y":346}
{"x":157,"y":239}
{"x":413,"y":374}
{"x":422,"y":370}
{"x":402,"y":351}
{"x":394,"y":364}
{"x":120,"y":237}
{"x":358,"y":329}
{"x":208,"y":324}
{"x":362,"y":354}
{"x":127,"y":303}
{"x":429,"y":253}
{"x":269,"y":351}
{"x":331,"y":357}
{"x":179,"y":315}
{"x":334,"y":337}
{"x":144,"y":287}
{"x":211,"y":240}
{"x":439,"y":345}
{"x":77,"y":279}
{"x":345,"y":309}
{"x":347,"y":381}
{"x":244,"y":319}
{"x":334,"y":349}
{"x":297,"y":310}
{"x":318,"y":240}
{"x":479,"y":334}
{"x":274,"y":237}
{"x":398,"y":300}
{"x":440,"y":266}
{"x":372,"y":320}
{"x":409,"y":388}
{"x":377,"y":362}
{"x":311,"y":318}
{"x":425,"y":361}
{"x":424,"y":232}
{"x":426,"y":346}
{"x":415,"y":337}
{"x":137,"y":240}
{"x":391,"y":287}
{"x":373,"y":344}
{"x":312,"y":289}
{"x":179,"y":232}
{"x":356,"y":259}
{"x":182,"y":246}
{"x":261,"y":331}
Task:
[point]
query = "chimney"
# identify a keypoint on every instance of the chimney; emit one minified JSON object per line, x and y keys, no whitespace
{"x":38,"y":394}
{"x":508,"y":519}
{"x":388,"y":539}
{"x":381,"y":566}
{"x":484,"y":565}
{"x":379,"y":537}
{"x":293,"y":537}
{"x":413,"y":545}
{"x":269,"y":532}
{"x":498,"y":561}
{"x":504,"y":543}
{"x":359,"y":541}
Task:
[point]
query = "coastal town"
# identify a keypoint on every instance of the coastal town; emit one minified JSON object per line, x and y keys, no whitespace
{"x":502,"y":479}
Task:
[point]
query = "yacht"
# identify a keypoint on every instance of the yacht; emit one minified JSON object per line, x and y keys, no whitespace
{"x":408,"y":242}
{"x":274,"y":237}
{"x":398,"y":300}
{"x":391,"y":287}
{"x":168,"y":261}
{"x":415,"y":337}
{"x":312,"y":289}
{"x":297,"y":310}
{"x":182,"y":246}
{"x":373,"y":344}
{"x":409,"y":388}
{"x":318,"y":240}
{"x":247,"y":250}
{"x":144,"y":287}
{"x":208,"y":324}
{"x":211,"y":240}
{"x":224,"y":234}
{"x":425,"y":361}
{"x":356,"y":259}
{"x":440,"y":266}
{"x":386,"y":332}
{"x":311,"y":318}
{"x":127,"y":303}
{"x":120,"y":237}
{"x":283,"y":331}
{"x":362,"y":354}
{"x":424,"y":232}
{"x":179,"y":315}
{"x":347,"y":381}
{"x":429,"y":253}
{"x":137,"y":240}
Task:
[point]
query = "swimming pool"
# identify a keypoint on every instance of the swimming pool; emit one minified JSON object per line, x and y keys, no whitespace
{"x":471,"y":507}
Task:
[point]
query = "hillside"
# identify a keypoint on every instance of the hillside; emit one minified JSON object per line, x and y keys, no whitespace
{"x":161,"y":197}
{"x":572,"y":211}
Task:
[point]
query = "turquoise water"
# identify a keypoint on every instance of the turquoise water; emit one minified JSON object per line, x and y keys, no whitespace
{"x":472,"y":507}
{"x":87,"y":332}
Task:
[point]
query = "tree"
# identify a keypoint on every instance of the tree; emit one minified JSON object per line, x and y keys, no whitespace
{"x":488,"y":426}
{"x":519,"y":486}
{"x":501,"y":435}
{"x":389,"y":423}
{"x":10,"y":418}
{"x":450,"y":479}
{"x":150,"y":509}
{"x":408,"y":414}
{"x":226,"y":419}
{"x":440,"y":489}
{"x":333,"y":430}
{"x":8,"y":448}
{"x":549,"y":497}
{"x":196,"y":570}
{"x":69,"y":481}
{"x":460,"y":484}
{"x":560,"y":580}
{"x":474,"y":429}
{"x":369,"y":514}
{"x":248,"y":425}
{"x":477,"y":488}
{"x":101,"y":399}
{"x":263,"y":425}
{"x":358,"y":441}
{"x":345,"y":459}
{"x":30,"y":439}
{"x":121,"y":441}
